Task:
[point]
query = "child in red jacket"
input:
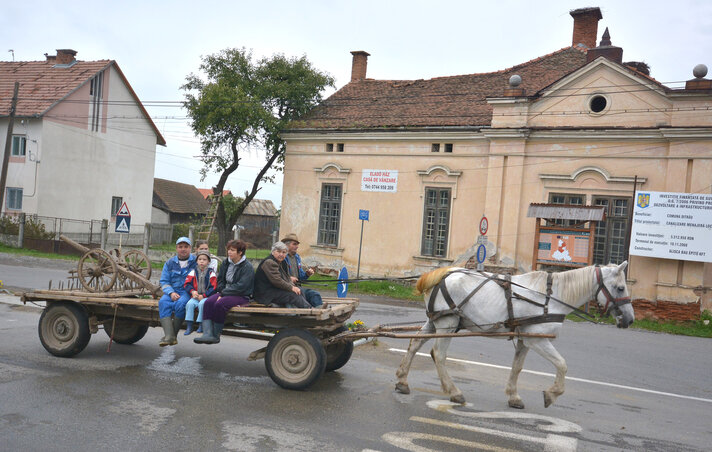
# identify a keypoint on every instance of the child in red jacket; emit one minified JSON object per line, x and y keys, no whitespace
{"x":200,"y":284}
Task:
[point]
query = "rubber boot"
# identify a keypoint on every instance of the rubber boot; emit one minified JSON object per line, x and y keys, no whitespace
{"x":167,"y":325}
{"x":207,"y":337}
{"x":188,"y":328}
{"x":177,"y":323}
{"x":217,"y":331}
{"x":200,"y":328}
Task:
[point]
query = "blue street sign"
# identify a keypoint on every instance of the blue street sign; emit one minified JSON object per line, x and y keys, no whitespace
{"x":123,"y":224}
{"x":481,"y":253}
{"x":342,"y":287}
{"x":363,"y":214}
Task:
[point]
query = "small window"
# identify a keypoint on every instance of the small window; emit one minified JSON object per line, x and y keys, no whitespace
{"x":116,"y":202}
{"x":435,"y":147}
{"x":340,"y":147}
{"x":448,"y":147}
{"x":329,"y":147}
{"x":598,"y":104}
{"x":14,"y":198}
{"x":19,"y":145}
{"x":329,"y":215}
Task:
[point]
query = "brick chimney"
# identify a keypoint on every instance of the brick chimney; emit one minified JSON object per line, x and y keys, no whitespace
{"x":358,"y":65}
{"x":65,"y":56}
{"x":585,"y":26}
{"x":605,"y":49}
{"x":51,"y":58}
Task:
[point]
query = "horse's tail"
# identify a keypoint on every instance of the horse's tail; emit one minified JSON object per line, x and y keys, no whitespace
{"x":431,"y":279}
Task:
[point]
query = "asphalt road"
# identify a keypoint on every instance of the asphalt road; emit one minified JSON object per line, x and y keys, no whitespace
{"x":627,"y":390}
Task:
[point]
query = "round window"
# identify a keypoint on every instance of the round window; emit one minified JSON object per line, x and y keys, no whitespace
{"x":597,"y":104}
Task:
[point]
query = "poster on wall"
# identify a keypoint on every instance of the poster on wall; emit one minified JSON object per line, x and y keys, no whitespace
{"x":672,"y":226}
{"x":563,"y":247}
{"x":379,"y":180}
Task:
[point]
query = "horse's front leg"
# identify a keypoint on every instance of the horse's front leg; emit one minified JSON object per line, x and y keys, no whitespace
{"x":547,"y":350}
{"x":520,"y":353}
{"x":439,"y":354}
{"x":413,"y":347}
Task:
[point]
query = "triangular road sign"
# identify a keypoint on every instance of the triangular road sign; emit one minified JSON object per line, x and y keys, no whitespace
{"x":123,"y":211}
{"x":122,"y":225}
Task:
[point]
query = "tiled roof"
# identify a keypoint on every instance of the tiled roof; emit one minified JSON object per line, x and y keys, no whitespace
{"x":439,"y":102}
{"x":260,"y":207}
{"x":209,"y":191}
{"x":42,"y":85}
{"x":176,"y":197}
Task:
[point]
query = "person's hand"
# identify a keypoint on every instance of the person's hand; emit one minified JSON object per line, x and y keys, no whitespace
{"x":195,"y":294}
{"x":175,"y":296}
{"x":296,"y":290}
{"x":199,"y":297}
{"x":310,"y":271}
{"x":294,"y":280}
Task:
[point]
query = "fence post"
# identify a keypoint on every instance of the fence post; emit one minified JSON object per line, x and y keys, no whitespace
{"x":104,"y":232}
{"x":21,"y":232}
{"x":274,"y":236}
{"x":191,"y":233}
{"x":146,"y":238}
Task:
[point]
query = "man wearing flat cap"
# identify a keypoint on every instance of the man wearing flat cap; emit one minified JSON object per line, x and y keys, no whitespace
{"x":296,"y":272}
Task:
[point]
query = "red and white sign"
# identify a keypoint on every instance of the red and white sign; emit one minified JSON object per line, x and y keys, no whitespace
{"x":483,"y":226}
{"x":123,"y":211}
{"x":379,"y":180}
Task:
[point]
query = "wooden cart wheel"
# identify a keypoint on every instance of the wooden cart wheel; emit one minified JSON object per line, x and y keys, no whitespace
{"x":125,"y":331}
{"x":64,"y":329}
{"x":137,"y":262}
{"x":295,"y":359}
{"x":97,"y":271}
{"x":338,"y":353}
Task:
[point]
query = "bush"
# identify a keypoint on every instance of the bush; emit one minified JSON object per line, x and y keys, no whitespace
{"x":33,"y":228}
{"x":180,"y":230}
{"x":9,"y":225}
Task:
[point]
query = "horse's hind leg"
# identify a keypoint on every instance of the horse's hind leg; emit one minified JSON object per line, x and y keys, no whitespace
{"x":547,"y":350}
{"x":413,"y":347}
{"x":520,"y":353}
{"x":439,"y":354}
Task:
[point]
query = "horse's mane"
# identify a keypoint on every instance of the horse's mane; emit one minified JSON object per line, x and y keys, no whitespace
{"x":430,"y":279}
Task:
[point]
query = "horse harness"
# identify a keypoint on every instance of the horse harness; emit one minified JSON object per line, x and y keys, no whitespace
{"x":617,"y":302}
{"x":506,"y":284}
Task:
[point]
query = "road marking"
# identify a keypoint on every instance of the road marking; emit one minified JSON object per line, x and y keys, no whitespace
{"x":405,"y":440}
{"x":582,"y":380}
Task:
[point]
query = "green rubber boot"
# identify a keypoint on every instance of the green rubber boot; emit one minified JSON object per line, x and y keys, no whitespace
{"x":207,"y":337}
{"x":217,"y":331}
{"x":177,"y":323}
{"x":167,"y":325}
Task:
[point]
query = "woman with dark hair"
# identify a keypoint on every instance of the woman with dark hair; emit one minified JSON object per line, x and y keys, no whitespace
{"x":235,"y":284}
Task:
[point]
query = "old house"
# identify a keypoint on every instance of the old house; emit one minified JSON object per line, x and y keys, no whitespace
{"x":429,"y":158}
{"x":82,"y":142}
{"x":175,"y":202}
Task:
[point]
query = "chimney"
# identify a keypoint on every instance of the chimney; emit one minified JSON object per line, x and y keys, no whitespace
{"x":65,"y":56}
{"x":51,"y":58}
{"x":585,"y":26}
{"x":605,"y":49}
{"x":358,"y":65}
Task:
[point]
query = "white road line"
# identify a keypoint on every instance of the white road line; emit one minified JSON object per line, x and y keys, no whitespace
{"x":583,"y":380}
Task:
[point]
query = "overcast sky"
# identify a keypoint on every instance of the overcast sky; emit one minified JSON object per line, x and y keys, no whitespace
{"x":158,"y":43}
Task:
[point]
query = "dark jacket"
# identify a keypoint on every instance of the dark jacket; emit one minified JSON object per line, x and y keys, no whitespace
{"x":272,"y":278}
{"x":242,"y":282}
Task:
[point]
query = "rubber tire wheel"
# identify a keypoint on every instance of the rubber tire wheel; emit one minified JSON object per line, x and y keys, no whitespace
{"x":338,"y":354}
{"x":127,"y":332}
{"x":295,"y":359}
{"x":64,"y":328}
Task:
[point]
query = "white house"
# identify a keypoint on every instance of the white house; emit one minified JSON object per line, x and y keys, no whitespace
{"x":82,"y":142}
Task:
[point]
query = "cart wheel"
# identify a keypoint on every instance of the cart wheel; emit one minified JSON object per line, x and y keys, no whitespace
{"x":97,"y":270}
{"x":338,"y":353}
{"x":138,"y":262}
{"x":125,"y":331}
{"x":64,"y":329}
{"x":295,"y":359}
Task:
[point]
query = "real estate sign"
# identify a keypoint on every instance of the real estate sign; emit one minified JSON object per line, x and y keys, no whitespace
{"x":379,"y":180}
{"x":672,"y":226}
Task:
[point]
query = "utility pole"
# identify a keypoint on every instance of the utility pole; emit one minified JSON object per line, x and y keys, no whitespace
{"x":8,"y":146}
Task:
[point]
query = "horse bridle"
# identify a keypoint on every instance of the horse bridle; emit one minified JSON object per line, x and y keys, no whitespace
{"x":617,"y":302}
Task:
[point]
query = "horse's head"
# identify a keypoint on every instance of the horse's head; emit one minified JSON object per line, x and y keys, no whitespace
{"x":612,"y":294}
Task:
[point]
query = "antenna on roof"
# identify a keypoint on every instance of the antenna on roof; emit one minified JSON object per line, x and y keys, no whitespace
{"x":13,"y":54}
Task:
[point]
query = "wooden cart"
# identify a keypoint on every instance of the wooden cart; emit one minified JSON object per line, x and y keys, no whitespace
{"x":295,"y":357}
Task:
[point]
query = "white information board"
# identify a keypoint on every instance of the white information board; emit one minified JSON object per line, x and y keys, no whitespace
{"x":672,"y":226}
{"x":379,"y":180}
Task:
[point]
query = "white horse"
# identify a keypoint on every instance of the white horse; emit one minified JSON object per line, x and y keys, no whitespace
{"x":486,"y":309}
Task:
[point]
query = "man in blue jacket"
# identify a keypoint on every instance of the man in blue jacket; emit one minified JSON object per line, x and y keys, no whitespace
{"x":175,"y":296}
{"x":296,"y":272}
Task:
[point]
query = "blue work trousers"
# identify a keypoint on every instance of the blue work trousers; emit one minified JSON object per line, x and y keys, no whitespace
{"x":166,"y":306}
{"x":313,"y":297}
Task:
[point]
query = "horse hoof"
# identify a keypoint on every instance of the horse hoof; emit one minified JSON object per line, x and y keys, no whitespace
{"x":402,"y":388}
{"x":548,"y":400}
{"x":458,"y":399}
{"x":516,"y":404}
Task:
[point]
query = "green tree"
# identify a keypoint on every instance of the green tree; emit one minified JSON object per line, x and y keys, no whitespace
{"x":239,"y":104}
